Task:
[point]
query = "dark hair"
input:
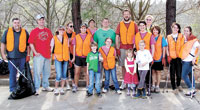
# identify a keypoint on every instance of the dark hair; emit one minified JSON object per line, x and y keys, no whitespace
{"x":178,"y":25}
{"x":143,"y":22}
{"x":126,"y":10}
{"x":190,"y":29}
{"x":105,"y":19}
{"x":108,"y":38}
{"x":91,"y":21}
{"x":92,"y":44}
{"x":155,"y":27}
{"x":15,"y":19}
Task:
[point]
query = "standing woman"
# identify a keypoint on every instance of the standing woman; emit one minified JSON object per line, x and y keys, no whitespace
{"x":189,"y":55}
{"x":149,"y":20}
{"x":60,"y":47}
{"x":159,"y":58}
{"x":175,"y":42}
{"x":91,"y":27}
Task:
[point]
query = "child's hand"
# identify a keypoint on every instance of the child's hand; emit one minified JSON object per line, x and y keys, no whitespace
{"x":73,"y":60}
{"x":143,"y":64}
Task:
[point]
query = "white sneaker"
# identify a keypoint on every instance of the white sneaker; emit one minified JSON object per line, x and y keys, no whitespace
{"x":123,"y":86}
{"x":37,"y":93}
{"x":104,"y":90}
{"x":48,"y":89}
{"x":68,"y":87}
{"x":56,"y":92}
{"x":62,"y":92}
{"x":119,"y":92}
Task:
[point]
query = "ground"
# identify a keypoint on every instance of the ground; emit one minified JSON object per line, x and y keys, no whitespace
{"x":109,"y":101}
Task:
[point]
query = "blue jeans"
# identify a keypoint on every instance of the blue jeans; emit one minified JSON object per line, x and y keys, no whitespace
{"x":97,"y":76}
{"x":186,"y":71}
{"x":20,"y":64}
{"x":61,"y":70}
{"x":41,"y":65}
{"x":114,"y":78}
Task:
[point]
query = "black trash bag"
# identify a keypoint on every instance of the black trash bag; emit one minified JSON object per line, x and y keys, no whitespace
{"x":3,"y":67}
{"x":24,"y":87}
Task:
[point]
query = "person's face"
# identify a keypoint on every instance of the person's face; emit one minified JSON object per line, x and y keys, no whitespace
{"x":187,"y":32}
{"x":149,"y":20}
{"x":83,"y":29}
{"x":41,"y":22}
{"x":92,"y":24}
{"x":155,"y":32}
{"x":70,"y":27}
{"x":108,"y":42}
{"x":130,"y":54}
{"x":142,"y":27}
{"x":105,"y":23}
{"x":94,"y":48}
{"x":175,"y":29}
{"x":16,"y":24}
{"x":141,"y":46}
{"x":61,"y":31}
{"x":126,"y":16}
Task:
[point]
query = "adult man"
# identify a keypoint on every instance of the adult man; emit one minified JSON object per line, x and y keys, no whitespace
{"x":125,"y":33}
{"x":39,"y":40}
{"x":15,"y":43}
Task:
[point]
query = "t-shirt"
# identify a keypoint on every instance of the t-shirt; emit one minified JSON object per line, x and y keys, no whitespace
{"x":106,"y":50}
{"x":93,"y":30}
{"x":93,"y":60}
{"x":69,"y":35}
{"x":142,"y":57}
{"x":164,"y":44}
{"x":41,"y":39}
{"x":189,"y":57}
{"x":15,"y":53}
{"x":126,"y":46}
{"x":100,"y":36}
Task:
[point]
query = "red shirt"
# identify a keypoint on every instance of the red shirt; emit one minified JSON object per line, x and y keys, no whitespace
{"x":41,"y":39}
{"x":126,"y":46}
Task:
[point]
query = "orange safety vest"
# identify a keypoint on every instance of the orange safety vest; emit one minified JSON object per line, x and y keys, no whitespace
{"x":127,"y":35}
{"x":70,"y":41}
{"x":147,"y":39}
{"x":83,"y":47}
{"x":61,"y":50}
{"x":108,"y":60}
{"x":10,"y":40}
{"x":158,"y":48}
{"x":175,"y":47}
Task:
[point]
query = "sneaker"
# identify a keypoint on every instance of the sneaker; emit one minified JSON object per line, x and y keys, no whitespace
{"x":47,"y":89}
{"x":122,"y":87}
{"x":99,"y":94}
{"x":62,"y":92}
{"x":119,"y":92}
{"x":56,"y":92}
{"x":68,"y":87}
{"x":189,"y":93}
{"x":104,"y":90}
{"x":89,"y":94}
{"x":180,"y":89}
{"x":153,"y":89}
{"x":157,"y":89}
{"x":37,"y":93}
{"x":175,"y":91}
{"x":74,"y":89}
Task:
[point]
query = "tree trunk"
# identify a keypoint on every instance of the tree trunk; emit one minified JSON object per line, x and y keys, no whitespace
{"x":170,"y":15}
{"x":76,"y":15}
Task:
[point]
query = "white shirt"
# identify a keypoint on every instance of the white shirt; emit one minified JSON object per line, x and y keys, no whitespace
{"x":189,"y":57}
{"x":142,"y":57}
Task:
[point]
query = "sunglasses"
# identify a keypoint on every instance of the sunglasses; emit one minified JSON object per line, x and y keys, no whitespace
{"x":71,"y":26}
{"x":148,"y":19}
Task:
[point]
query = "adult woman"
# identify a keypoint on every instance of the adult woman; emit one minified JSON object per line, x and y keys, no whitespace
{"x":91,"y":27}
{"x":149,"y":21}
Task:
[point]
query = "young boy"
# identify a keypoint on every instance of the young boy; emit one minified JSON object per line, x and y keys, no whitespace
{"x":93,"y":70}
{"x":143,"y":58}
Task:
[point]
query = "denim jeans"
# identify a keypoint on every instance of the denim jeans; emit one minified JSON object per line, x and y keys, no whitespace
{"x":186,"y":71}
{"x":61,"y":70}
{"x":20,"y":64}
{"x":41,"y":65}
{"x":114,"y":78}
{"x":97,"y":77}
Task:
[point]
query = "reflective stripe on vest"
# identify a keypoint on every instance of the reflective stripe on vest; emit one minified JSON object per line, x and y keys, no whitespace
{"x":61,"y":50}
{"x":10,"y":40}
{"x":158,"y":48}
{"x":147,"y":39}
{"x":126,"y":35}
{"x":108,"y":60}
{"x":83,"y":47}
{"x":175,"y":47}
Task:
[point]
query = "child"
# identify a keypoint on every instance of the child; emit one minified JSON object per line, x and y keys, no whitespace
{"x":109,"y":54}
{"x":93,"y":70}
{"x":80,"y":50}
{"x":143,"y":58}
{"x":60,"y":47}
{"x":130,"y":77}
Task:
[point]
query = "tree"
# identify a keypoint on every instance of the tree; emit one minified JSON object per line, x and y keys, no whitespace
{"x":76,"y":15}
{"x":170,"y":14}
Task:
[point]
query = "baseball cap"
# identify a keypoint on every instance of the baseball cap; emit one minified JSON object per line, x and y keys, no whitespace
{"x":84,"y":24}
{"x":39,"y":16}
{"x":61,"y":27}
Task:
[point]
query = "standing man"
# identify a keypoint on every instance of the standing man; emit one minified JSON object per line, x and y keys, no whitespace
{"x":15,"y":43}
{"x":125,"y":33}
{"x":39,"y":41}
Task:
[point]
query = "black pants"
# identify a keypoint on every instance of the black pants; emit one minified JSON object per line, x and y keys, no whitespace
{"x":175,"y":70}
{"x":71,"y":69}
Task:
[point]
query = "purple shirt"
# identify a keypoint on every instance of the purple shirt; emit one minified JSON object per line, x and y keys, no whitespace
{"x":93,"y":31}
{"x":106,"y":50}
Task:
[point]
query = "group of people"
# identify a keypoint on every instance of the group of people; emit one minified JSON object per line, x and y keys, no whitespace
{"x":138,"y":48}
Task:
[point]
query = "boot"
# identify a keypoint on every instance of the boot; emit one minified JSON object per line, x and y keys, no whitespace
{"x":128,"y":91}
{"x":144,"y":93}
{"x":138,"y":95}
{"x":133,"y":92}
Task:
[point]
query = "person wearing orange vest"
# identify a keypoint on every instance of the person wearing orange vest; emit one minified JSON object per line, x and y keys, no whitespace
{"x":125,"y":33}
{"x":189,"y":53}
{"x":175,"y":42}
{"x":81,"y":49}
{"x":159,"y":58}
{"x":71,"y":35}
{"x":15,"y":43}
{"x":60,"y":47}
{"x":91,"y":27}
{"x":109,"y":53}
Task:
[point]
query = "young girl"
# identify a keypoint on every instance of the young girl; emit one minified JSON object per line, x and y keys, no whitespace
{"x":143,"y":58}
{"x":130,"y":77}
{"x":81,"y":49}
{"x":109,"y":54}
{"x":60,"y":47}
